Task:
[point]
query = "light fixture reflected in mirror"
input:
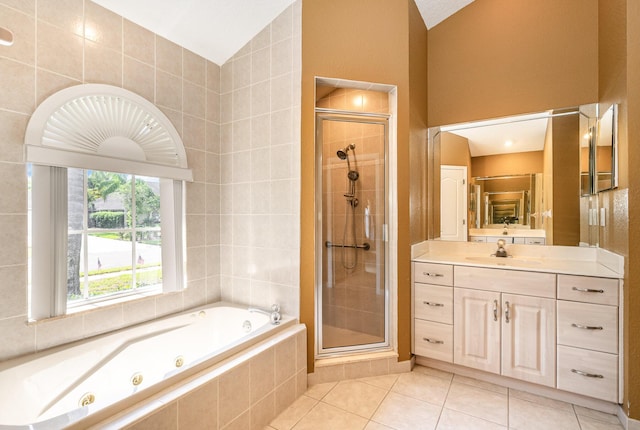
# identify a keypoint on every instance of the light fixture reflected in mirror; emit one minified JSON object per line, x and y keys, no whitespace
{"x":6,"y":37}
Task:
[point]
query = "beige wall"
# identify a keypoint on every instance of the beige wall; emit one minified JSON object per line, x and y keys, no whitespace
{"x":377,"y":49}
{"x":500,"y":57}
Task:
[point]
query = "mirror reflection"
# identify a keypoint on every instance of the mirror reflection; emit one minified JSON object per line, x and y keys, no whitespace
{"x":522,"y":178}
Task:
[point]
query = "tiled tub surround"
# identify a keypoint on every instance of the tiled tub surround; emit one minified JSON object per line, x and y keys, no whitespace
{"x":57,"y":47}
{"x":172,"y":357}
{"x":547,"y":320}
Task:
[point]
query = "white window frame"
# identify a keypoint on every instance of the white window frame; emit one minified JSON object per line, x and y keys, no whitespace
{"x":134,"y":137}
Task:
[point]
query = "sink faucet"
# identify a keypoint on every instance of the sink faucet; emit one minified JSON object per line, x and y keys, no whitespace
{"x":501,"y":251}
{"x":273,"y":314}
{"x":505,"y":230}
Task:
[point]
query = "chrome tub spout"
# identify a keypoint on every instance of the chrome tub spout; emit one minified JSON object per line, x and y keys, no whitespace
{"x":273,"y":314}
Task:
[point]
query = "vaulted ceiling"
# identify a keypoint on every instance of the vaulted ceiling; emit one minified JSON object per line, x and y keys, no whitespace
{"x":217,"y":29}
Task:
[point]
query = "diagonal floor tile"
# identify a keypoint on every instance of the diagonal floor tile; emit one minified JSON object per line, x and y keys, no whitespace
{"x":356,"y":397}
{"x":422,"y":387}
{"x":587,"y":423}
{"x":453,"y":420}
{"x":318,"y":391}
{"x":404,"y":413}
{"x":385,"y":381}
{"x":324,"y":416}
{"x":545,"y":401}
{"x":525,"y":415}
{"x":596,"y":415}
{"x":294,"y":413}
{"x":478,"y":402}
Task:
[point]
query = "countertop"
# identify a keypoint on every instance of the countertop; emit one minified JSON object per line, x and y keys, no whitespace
{"x":512,"y":232}
{"x":549,"y":259}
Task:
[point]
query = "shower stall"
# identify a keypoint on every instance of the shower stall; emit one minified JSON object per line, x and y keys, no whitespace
{"x":351,"y":248}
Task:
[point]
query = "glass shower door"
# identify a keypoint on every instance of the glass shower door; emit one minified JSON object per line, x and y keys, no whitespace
{"x":352,"y":301}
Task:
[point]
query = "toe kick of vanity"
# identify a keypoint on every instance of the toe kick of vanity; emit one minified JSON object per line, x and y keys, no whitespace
{"x":554,"y":329}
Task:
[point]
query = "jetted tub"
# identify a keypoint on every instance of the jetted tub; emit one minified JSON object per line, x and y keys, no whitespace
{"x":66,"y":385}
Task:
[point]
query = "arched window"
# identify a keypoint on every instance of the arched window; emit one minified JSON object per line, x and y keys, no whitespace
{"x":106,"y":170}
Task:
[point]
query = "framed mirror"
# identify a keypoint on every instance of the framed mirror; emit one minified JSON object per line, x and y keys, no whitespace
{"x":546,"y":153}
{"x":605,"y":151}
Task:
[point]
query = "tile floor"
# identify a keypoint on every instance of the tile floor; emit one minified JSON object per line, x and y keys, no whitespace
{"x":431,"y":399}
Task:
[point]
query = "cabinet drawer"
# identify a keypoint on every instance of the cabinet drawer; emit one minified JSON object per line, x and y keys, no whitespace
{"x":534,"y":240}
{"x":479,"y":239}
{"x":431,"y":273}
{"x":585,"y":325}
{"x":603,"y":291}
{"x":434,"y":340}
{"x":508,"y":281}
{"x":433,"y":303}
{"x":591,"y":373}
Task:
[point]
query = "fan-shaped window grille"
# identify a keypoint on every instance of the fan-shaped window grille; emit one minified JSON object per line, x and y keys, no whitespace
{"x":102,"y":127}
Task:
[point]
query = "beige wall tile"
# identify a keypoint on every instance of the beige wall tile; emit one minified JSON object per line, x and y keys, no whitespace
{"x":243,"y":422}
{"x":13,"y":292}
{"x":49,"y":83}
{"x":194,"y":100}
{"x":213,"y":231}
{"x":26,"y":6}
{"x":285,"y":394}
{"x":262,"y":369}
{"x":194,"y":68}
{"x":242,"y":72}
{"x":65,"y":14}
{"x":213,"y":198}
{"x":260,"y":65}
{"x":285,"y":366}
{"x":196,"y":263}
{"x":196,"y":195}
{"x":301,"y":382}
{"x":282,"y":26}
{"x":24,"y":37}
{"x":13,"y":230}
{"x":213,"y":107}
{"x":241,"y":104}
{"x":139,"y":77}
{"x":165,"y":418}
{"x":13,"y":126}
{"x":103,"y":320}
{"x":102,"y":65}
{"x":213,"y":77}
{"x":263,"y":412}
{"x":235,"y":399}
{"x":195,"y":229}
{"x":262,"y":39}
{"x":169,"y":303}
{"x":139,"y":43}
{"x":137,"y":311}
{"x":194,"y":132}
{"x":213,"y":289}
{"x":168,"y":90}
{"x":58,"y":331}
{"x":197,"y":162}
{"x":13,"y":177}
{"x":59,"y":51}
{"x":17,"y":86}
{"x":198,"y":409}
{"x":212,"y":138}
{"x":18,"y":337}
{"x":213,"y":262}
{"x":102,"y":26}
{"x":175,"y":116}
{"x":282,"y":58}
{"x":168,"y":56}
{"x":195,"y":294}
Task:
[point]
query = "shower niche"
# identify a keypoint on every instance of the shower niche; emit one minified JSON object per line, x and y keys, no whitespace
{"x":351,"y":192}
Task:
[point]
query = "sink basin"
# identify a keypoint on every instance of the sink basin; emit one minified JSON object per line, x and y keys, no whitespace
{"x":506,"y":261}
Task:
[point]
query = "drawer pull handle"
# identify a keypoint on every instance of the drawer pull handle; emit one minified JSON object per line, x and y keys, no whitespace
{"x":437,"y":305}
{"x":506,"y":312}
{"x":586,"y":327}
{"x":588,"y":375}
{"x":495,"y":310}
{"x":426,"y":339}
{"x":587,"y":290}
{"x":433,"y":275}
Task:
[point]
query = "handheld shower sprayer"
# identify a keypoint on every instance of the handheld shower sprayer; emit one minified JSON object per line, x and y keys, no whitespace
{"x":342,"y":153}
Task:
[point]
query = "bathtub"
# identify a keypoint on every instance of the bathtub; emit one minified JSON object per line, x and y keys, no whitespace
{"x":144,"y":368}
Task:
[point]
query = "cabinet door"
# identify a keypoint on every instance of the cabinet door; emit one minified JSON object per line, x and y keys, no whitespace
{"x":476,"y":315}
{"x":528,"y":338}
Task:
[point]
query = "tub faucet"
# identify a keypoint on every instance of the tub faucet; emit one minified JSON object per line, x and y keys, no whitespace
{"x":273,"y":314}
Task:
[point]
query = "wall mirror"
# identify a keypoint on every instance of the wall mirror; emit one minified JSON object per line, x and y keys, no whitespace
{"x":532,"y":174}
{"x":605,"y":152}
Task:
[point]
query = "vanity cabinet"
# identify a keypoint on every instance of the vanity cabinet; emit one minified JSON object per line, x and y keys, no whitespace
{"x":588,"y":336}
{"x":504,"y":333}
{"x":556,"y":330}
{"x":433,"y":311}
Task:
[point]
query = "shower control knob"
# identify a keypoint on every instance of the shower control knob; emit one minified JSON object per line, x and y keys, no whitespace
{"x":275,"y":307}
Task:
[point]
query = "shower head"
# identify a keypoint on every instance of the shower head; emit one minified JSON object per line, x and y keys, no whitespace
{"x":342,"y":153}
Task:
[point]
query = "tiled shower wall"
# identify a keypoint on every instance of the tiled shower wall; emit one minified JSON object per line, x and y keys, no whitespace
{"x":63,"y":43}
{"x":260,"y":167}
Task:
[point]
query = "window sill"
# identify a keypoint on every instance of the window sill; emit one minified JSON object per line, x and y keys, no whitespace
{"x":74,"y":309}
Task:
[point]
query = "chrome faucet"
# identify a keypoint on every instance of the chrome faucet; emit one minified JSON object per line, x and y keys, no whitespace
{"x":505,"y":230}
{"x":273,"y":314}
{"x":501,"y":251}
